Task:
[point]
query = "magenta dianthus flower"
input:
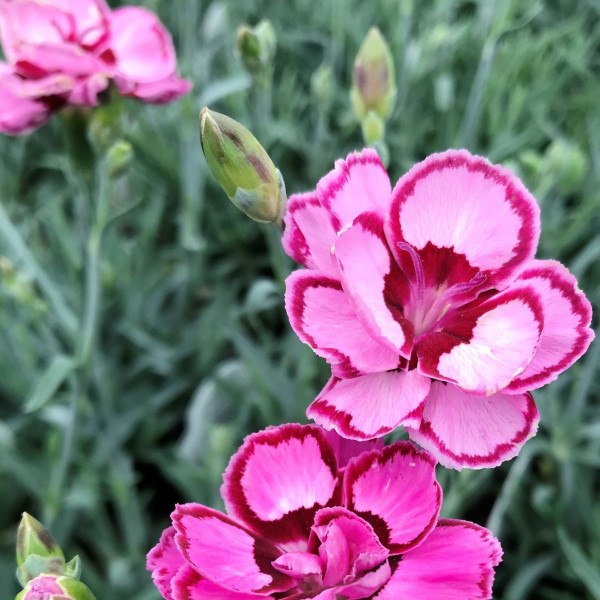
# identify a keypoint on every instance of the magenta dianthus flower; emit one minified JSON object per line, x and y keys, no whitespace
{"x":428,"y":304}
{"x":311,"y":515}
{"x":65,"y":52}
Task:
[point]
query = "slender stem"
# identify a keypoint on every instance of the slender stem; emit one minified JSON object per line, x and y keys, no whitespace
{"x":93,"y":287}
{"x":263,"y":103}
{"x":59,"y":476}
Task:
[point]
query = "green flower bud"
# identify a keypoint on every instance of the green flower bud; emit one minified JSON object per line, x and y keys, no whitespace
{"x":105,"y":122}
{"x":567,"y":163}
{"x":373,"y":81}
{"x":36,"y":548}
{"x":256,"y":46}
{"x":55,"y":587}
{"x":242,"y":167}
{"x":119,"y":157}
{"x":321,"y":85}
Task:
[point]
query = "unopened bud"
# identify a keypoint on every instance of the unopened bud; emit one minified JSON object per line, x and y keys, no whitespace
{"x":39,"y":554}
{"x":256,"y":46}
{"x":55,"y":587}
{"x":242,"y":167}
{"x":37,"y":551}
{"x":567,"y":163}
{"x":321,"y":85}
{"x":374,"y":80}
{"x":105,"y":122}
{"x":119,"y":157}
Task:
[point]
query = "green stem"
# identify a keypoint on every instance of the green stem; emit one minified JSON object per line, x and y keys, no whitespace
{"x":93,"y":284}
{"x":88,"y":329}
{"x":52,"y":507}
{"x":263,"y":103}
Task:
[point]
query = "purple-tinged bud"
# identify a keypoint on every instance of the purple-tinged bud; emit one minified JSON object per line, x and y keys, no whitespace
{"x":242,"y":167}
{"x":374,"y":79}
{"x":37,"y":551}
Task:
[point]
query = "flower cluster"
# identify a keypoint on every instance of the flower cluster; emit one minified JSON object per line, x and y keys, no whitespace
{"x":429,"y":305}
{"x":311,"y":515}
{"x":63,"y":52}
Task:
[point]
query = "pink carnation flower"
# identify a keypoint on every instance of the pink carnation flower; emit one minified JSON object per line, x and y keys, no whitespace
{"x":303,"y":523}
{"x":429,"y":306}
{"x":63,"y":52}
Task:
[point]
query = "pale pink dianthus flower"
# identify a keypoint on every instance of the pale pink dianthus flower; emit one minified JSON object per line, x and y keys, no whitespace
{"x":428,"y":304}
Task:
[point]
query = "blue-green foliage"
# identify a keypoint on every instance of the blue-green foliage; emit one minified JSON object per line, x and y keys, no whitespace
{"x":106,"y":422}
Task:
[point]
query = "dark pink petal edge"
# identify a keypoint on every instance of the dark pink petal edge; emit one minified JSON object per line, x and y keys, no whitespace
{"x":296,"y":524}
{"x":460,"y":329}
{"x":517,"y":195}
{"x":559,"y":278}
{"x":370,"y":460}
{"x":264,"y":551}
{"x":495,"y":557}
{"x":427,"y":438}
{"x":329,"y":417}
{"x":164,"y":560}
{"x":293,"y":240}
{"x":334,"y":181}
{"x":296,"y":286}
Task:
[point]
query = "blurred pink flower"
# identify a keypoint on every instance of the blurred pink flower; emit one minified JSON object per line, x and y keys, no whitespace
{"x":301,"y":523}
{"x":64,"y":52}
{"x":429,"y":306}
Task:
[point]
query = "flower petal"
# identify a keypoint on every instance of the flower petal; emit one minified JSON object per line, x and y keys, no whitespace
{"x":322,"y":317}
{"x":86,"y":90}
{"x":142,"y":47}
{"x":371,"y":405}
{"x":26,"y":23}
{"x":299,"y":564}
{"x":165,"y":560}
{"x":460,"y":201}
{"x":156,"y":92}
{"x":463,"y":430}
{"x":188,"y":584}
{"x":348,"y":545}
{"x":19,"y":113}
{"x":363,"y":587}
{"x":567,"y":316}
{"x":310,"y":233}
{"x":346,"y":449}
{"x":455,"y":562}
{"x":483,"y":348}
{"x":395,"y":489}
{"x":90,"y":19}
{"x":358,"y":184}
{"x":374,"y":282}
{"x":38,"y":40}
{"x":278,"y":479}
{"x":226,"y":553}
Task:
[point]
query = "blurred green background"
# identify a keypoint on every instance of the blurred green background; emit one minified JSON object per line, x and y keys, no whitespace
{"x":186,"y":341}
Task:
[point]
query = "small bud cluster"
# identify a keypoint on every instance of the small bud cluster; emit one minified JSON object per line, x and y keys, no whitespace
{"x":41,"y":566}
